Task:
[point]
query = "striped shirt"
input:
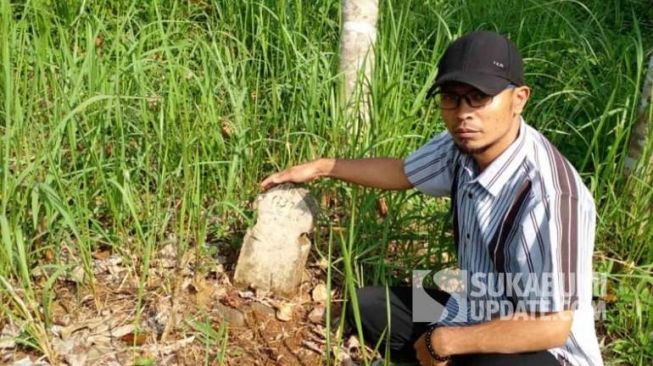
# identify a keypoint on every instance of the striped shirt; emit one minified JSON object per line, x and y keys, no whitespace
{"x":527,"y":215}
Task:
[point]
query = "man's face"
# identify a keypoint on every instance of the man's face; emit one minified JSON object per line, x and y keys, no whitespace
{"x":481,"y":130}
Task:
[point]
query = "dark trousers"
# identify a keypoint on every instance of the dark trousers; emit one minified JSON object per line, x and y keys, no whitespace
{"x":403,"y":333}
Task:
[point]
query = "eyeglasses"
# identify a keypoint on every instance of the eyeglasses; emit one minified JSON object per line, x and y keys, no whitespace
{"x":474,"y":98}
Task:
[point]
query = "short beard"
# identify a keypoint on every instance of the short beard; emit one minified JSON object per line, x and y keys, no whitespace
{"x":472,"y":151}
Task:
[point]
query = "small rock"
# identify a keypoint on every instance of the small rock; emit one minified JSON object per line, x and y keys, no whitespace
{"x":317,"y":314}
{"x":233,"y":317}
{"x":8,"y":336}
{"x":262,"y":309}
{"x":23,"y":362}
{"x":77,"y":275}
{"x":319,"y":293}
{"x":284,"y":312}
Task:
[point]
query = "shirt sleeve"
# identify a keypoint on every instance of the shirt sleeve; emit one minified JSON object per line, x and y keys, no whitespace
{"x":551,"y":256}
{"x":430,"y":168}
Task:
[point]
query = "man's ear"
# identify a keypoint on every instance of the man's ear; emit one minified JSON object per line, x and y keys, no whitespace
{"x":519,"y":98}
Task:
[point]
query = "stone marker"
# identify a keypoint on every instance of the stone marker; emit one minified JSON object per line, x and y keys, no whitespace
{"x":275,"y":250}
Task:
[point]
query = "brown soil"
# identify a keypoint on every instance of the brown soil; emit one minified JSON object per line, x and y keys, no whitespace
{"x":189,"y":309}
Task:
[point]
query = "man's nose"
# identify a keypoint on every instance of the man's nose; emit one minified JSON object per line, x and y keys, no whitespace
{"x":464,"y":109}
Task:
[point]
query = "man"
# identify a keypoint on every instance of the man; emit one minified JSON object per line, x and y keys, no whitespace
{"x":519,"y":208}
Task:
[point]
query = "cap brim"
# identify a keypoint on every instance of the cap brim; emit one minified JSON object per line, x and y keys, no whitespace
{"x":488,"y":84}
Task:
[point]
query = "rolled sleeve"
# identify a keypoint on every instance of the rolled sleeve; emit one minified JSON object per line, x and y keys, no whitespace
{"x":430,"y":168}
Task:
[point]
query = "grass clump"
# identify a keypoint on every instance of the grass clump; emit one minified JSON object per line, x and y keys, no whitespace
{"x":126,"y":122}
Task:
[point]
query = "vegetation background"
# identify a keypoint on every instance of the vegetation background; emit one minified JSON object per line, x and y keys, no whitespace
{"x":123,"y":122}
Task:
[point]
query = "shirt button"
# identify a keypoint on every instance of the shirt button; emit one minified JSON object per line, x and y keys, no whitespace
{"x":470,"y":196}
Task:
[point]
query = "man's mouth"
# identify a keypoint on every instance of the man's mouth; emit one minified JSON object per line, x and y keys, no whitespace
{"x":465,"y":133}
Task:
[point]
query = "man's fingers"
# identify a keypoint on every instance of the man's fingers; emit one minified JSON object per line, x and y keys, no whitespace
{"x":270,"y":181}
{"x":298,"y":174}
{"x":275,"y":179}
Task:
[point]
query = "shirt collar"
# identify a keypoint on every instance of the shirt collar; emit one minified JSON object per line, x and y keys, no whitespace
{"x":495,"y":175}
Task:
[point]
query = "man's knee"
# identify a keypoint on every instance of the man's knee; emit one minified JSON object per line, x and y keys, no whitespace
{"x":366,"y":303}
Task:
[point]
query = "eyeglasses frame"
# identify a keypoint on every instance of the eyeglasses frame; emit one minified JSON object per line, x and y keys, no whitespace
{"x":466,"y":97}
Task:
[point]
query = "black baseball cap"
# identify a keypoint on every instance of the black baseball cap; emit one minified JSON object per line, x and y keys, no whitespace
{"x":485,"y":60}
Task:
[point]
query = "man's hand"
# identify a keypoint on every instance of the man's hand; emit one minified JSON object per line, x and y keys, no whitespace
{"x":297,"y":174}
{"x":423,"y":355}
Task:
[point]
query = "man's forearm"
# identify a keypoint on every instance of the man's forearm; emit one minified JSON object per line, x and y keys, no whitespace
{"x":383,"y":173}
{"x":505,"y":335}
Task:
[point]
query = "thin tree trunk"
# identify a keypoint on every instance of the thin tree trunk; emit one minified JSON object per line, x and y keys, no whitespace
{"x":357,"y":58}
{"x":639,"y":135}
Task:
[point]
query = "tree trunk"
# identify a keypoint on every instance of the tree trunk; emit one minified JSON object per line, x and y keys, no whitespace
{"x":357,"y":58}
{"x":639,"y":135}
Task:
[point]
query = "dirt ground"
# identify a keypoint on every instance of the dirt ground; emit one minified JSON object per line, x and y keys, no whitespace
{"x":190,"y":314}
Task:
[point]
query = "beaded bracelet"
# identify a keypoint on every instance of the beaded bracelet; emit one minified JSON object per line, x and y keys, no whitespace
{"x":429,"y":346}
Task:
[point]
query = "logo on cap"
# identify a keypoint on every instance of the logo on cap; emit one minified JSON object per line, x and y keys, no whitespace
{"x":497,"y":63}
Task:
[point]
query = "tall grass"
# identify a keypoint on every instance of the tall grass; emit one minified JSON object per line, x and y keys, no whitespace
{"x":124,"y":122}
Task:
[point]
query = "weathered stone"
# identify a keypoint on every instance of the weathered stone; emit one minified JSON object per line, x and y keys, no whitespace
{"x":231,"y":316}
{"x":262,"y":309}
{"x":317,"y":314}
{"x":8,"y":336}
{"x":319,"y":293}
{"x":285,"y":311}
{"x":24,"y":362}
{"x":275,"y":250}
